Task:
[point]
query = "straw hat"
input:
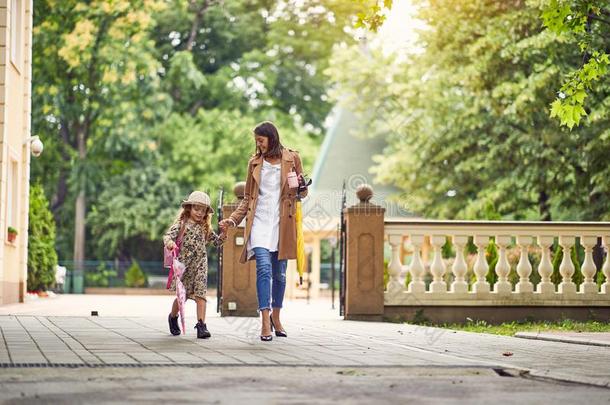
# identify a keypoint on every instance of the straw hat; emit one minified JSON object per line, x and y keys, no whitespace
{"x":199,"y":198}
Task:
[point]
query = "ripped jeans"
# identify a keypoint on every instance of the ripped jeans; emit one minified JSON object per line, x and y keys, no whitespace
{"x":270,"y":278}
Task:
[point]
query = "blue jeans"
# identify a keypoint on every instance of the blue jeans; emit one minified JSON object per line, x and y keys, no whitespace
{"x":270,"y":278}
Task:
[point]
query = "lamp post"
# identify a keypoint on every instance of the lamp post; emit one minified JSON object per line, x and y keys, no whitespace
{"x":333,"y":244}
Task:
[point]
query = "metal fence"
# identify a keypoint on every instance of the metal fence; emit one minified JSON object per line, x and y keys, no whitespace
{"x":115,"y":273}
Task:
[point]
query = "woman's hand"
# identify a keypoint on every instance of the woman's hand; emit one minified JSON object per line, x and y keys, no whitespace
{"x":170,"y":245}
{"x":224,"y":225}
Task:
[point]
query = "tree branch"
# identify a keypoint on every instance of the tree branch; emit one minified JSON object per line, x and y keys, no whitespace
{"x":596,"y":18}
{"x":196,"y":22}
{"x":196,"y":107}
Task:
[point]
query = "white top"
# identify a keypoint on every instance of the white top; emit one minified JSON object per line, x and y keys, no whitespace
{"x":265,"y":231}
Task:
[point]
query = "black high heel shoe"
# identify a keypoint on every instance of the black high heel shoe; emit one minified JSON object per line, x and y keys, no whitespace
{"x":268,"y":338}
{"x":278,"y":333}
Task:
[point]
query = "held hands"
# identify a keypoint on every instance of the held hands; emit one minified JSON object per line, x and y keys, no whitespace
{"x":224,"y":225}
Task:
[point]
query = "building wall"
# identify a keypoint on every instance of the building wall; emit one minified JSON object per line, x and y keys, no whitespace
{"x":15,"y":100}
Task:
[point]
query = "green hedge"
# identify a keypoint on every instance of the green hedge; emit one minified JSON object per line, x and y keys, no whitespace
{"x":42,"y":258}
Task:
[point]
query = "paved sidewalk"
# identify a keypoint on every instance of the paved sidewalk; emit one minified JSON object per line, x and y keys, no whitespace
{"x":318,"y":337}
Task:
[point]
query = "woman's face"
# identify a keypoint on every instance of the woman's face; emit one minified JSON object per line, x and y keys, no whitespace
{"x":198,"y":212}
{"x":262,"y":143}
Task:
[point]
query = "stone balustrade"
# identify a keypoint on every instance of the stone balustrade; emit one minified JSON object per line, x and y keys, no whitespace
{"x":428,"y":283}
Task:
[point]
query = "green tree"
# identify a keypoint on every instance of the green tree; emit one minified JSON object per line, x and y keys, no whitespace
{"x":169,"y":91}
{"x":583,"y":22}
{"x":373,"y":16}
{"x":93,"y":62}
{"x":42,"y":258}
{"x":466,"y":117}
{"x":253,"y":55}
{"x":211,"y":150}
{"x":586,"y":23}
{"x":136,"y":205}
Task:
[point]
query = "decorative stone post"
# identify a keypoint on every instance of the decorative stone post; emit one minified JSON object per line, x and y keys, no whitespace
{"x":545,"y":287}
{"x":238,"y":280}
{"x":417,"y":269}
{"x":502,"y":286}
{"x":364,"y":258}
{"x":438,"y":267}
{"x":588,"y":269}
{"x":524,"y":267}
{"x":567,"y":287}
{"x":395,"y":265}
{"x":459,"y":268}
{"x":481,"y":287}
{"x":606,"y":268}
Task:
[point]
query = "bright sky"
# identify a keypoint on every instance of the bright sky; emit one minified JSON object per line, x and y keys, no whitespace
{"x":398,"y":32}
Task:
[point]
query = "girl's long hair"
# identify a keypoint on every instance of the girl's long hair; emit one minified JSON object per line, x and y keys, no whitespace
{"x":185,"y":213}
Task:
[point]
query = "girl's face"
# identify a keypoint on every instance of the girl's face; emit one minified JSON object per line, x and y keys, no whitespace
{"x":262,"y":143}
{"x":198,"y":212}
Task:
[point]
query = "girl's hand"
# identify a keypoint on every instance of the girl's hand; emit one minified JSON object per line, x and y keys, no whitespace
{"x":170,"y":245}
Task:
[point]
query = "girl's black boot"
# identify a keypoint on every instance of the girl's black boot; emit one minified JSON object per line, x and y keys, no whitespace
{"x":202,"y":330}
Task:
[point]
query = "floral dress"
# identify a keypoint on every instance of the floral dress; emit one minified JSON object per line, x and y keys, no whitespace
{"x":193,"y":255}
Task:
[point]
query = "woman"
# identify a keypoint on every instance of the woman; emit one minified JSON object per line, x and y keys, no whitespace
{"x":269,"y":209}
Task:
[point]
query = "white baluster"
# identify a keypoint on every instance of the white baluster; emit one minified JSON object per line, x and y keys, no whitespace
{"x":524,"y":267}
{"x":395,"y":266}
{"x":459,"y":268}
{"x":606,"y":268}
{"x":437,"y":267}
{"x":481,"y":286}
{"x":545,"y":268}
{"x":588,"y":266}
{"x":503,"y":286}
{"x":417,"y":269}
{"x":566,"y":268}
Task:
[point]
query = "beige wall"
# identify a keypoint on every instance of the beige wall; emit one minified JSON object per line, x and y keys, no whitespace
{"x":15,"y":84}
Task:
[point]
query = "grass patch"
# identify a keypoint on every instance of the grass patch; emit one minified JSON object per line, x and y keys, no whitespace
{"x":510,"y":328}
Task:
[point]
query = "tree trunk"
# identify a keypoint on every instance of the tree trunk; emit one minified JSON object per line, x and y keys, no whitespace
{"x":79,"y":216}
{"x":543,"y":206}
{"x":60,"y":195}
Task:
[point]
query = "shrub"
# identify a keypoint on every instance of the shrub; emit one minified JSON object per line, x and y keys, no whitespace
{"x":386,"y":274}
{"x":42,"y":258}
{"x":99,"y":277}
{"x":135,"y":277}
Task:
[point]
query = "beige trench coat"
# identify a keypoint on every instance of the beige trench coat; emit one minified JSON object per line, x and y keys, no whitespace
{"x":288,"y":235}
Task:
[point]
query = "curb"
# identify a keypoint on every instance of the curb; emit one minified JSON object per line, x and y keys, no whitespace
{"x":561,"y":339}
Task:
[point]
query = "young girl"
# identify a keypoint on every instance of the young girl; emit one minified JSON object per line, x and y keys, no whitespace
{"x":191,"y":231}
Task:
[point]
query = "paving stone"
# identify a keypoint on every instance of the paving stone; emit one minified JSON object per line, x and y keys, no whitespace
{"x":325,"y":341}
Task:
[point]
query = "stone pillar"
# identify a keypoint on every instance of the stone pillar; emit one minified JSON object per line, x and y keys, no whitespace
{"x":364,"y":258}
{"x":238,"y":280}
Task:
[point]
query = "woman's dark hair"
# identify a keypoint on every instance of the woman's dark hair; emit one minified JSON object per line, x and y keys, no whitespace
{"x":269,"y":130}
